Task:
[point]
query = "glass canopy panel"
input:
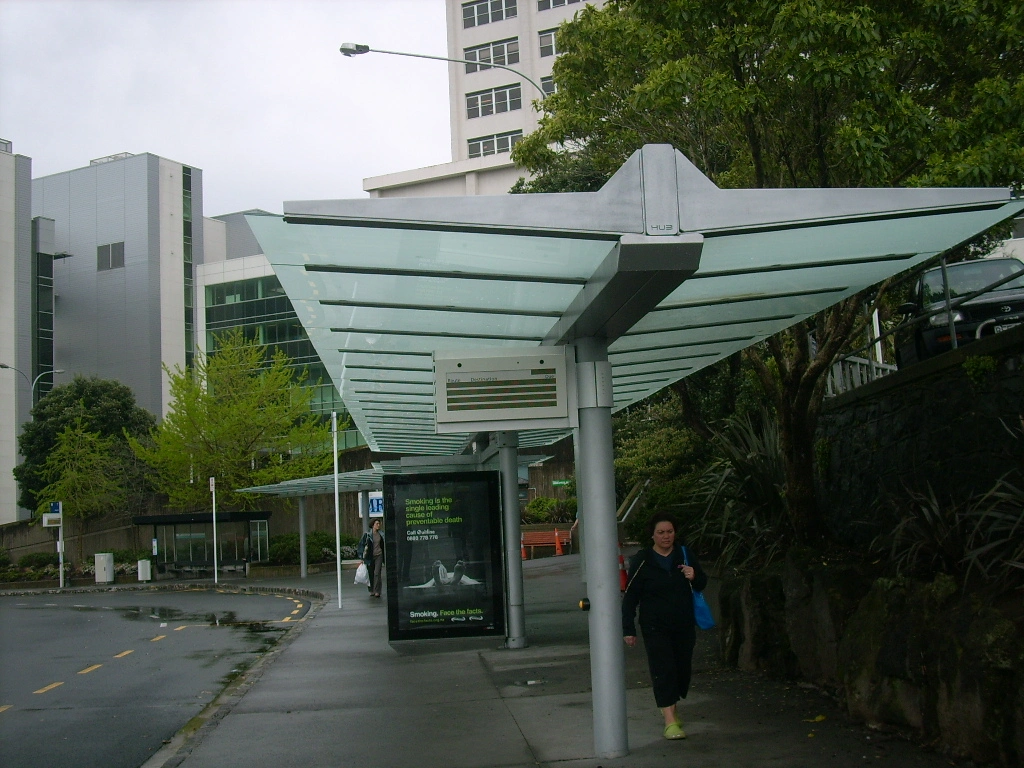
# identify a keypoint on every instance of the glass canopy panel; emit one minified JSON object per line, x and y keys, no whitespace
{"x":449,"y":254}
{"x":465,"y":293}
{"x":378,"y":301}
{"x":440,"y":322}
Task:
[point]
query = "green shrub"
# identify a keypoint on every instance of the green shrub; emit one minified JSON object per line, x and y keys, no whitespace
{"x":541,"y":510}
{"x":5,"y":558}
{"x":130,"y":555}
{"x":737,"y":507}
{"x":284,"y":548}
{"x":980,"y":539}
{"x":38,"y":560}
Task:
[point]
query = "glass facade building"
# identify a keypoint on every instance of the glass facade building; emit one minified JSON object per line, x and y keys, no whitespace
{"x":260,"y":308}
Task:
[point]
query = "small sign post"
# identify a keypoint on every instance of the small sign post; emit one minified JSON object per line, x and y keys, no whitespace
{"x":213,"y":494}
{"x":55,"y":519}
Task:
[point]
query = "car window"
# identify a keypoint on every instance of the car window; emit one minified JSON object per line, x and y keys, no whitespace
{"x":972,"y":276}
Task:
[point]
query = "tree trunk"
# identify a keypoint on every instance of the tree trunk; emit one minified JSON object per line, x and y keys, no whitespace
{"x":798,"y":454}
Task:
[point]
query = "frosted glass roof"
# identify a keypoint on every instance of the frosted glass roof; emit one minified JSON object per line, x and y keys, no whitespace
{"x":379,"y":285}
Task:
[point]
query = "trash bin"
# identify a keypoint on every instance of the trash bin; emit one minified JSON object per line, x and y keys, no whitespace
{"x":104,"y":567}
{"x":145,"y":570}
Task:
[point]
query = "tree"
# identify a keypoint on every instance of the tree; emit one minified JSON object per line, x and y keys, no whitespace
{"x":85,"y":472}
{"x":238,"y":417}
{"x":102,"y":406}
{"x":766,"y":93}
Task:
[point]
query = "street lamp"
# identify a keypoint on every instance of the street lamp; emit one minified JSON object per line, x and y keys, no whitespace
{"x":33,"y":382}
{"x":355,"y":49}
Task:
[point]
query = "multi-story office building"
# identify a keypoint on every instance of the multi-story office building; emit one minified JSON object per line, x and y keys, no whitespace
{"x":491,"y":108}
{"x":130,"y":226}
{"x":26,"y":315}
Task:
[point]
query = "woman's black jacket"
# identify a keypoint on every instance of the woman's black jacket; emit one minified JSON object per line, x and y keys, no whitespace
{"x":664,"y":597}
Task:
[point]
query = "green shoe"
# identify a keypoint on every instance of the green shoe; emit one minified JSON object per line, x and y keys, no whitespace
{"x":674,"y":731}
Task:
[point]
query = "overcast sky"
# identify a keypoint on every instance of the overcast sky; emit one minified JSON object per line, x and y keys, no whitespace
{"x":254,"y":92}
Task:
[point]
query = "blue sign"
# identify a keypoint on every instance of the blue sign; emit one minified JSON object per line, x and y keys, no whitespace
{"x":376,"y":506}
{"x":55,"y":507}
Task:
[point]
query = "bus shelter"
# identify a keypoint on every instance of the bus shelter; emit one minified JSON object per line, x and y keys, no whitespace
{"x":648,"y":280}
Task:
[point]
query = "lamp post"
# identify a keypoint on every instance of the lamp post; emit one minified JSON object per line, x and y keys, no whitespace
{"x":356,"y":49}
{"x":33,"y":382}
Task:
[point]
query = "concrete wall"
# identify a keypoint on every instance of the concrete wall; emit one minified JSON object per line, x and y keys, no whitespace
{"x":945,"y":423}
{"x":15,"y":319}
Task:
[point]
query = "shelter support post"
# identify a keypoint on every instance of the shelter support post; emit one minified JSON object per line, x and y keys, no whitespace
{"x":596,"y":493}
{"x":515,"y":625}
{"x":364,"y":510}
{"x":581,"y":522}
{"x":303,"y":552}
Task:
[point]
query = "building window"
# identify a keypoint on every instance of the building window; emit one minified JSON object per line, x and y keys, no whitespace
{"x":543,"y":5}
{"x":503,"y":99}
{"x":501,"y":52}
{"x":485,"y":11}
{"x":494,"y":145}
{"x":110,"y":256}
{"x":548,"y":85}
{"x":43,"y":347}
{"x":548,"y":46}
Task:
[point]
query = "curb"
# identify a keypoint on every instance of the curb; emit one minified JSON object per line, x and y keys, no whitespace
{"x":191,"y":735}
{"x":192,"y":586}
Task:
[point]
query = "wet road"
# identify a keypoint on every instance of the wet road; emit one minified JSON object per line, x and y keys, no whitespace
{"x":104,"y":679}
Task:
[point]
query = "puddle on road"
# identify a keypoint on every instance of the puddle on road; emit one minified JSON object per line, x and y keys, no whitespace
{"x":159,"y":613}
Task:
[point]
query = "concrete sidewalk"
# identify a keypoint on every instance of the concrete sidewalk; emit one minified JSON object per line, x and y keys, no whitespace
{"x":338,"y":694}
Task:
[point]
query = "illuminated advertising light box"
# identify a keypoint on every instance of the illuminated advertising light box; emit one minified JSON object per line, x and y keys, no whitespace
{"x":442,"y":538}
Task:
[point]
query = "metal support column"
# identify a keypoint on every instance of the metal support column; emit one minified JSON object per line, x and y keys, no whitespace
{"x":303,"y":554}
{"x":364,"y":510}
{"x":508,"y":456}
{"x":580,"y":517}
{"x":596,"y":493}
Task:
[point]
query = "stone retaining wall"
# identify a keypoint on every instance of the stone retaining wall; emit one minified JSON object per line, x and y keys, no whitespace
{"x":946,"y":423}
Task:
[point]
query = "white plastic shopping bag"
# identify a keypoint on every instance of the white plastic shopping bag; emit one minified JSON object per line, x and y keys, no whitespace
{"x":362,"y":575}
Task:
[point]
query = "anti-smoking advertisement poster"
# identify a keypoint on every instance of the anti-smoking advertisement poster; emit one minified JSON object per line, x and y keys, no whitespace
{"x":442,"y":534}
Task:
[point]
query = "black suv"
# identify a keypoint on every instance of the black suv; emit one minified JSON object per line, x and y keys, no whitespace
{"x":992,"y":312}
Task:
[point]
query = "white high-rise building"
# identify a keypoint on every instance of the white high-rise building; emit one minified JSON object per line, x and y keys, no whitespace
{"x":490,"y":108}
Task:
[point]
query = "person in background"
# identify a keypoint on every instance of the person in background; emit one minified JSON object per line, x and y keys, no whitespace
{"x":371,"y":550}
{"x":661,"y":584}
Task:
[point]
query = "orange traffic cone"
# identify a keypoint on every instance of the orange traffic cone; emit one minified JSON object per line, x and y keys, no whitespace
{"x":622,"y":572}
{"x":558,"y":544}
{"x":522,"y":547}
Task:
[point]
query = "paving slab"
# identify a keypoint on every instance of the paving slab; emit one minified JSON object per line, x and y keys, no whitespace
{"x":339,"y":693}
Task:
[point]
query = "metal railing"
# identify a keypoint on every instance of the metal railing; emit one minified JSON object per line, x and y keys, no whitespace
{"x":852,"y":372}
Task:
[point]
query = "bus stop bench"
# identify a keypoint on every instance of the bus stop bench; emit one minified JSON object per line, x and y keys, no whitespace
{"x":534,"y":539}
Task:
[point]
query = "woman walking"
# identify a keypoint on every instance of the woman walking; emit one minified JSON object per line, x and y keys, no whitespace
{"x":661,"y":580}
{"x":371,"y":550}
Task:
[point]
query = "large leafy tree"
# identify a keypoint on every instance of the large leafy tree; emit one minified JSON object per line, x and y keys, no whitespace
{"x":239,"y":417}
{"x":770,"y":93}
{"x":99,"y":406}
{"x":85,"y":471}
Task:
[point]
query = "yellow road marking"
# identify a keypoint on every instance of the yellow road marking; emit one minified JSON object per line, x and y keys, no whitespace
{"x":158,"y":637}
{"x":178,"y":629}
{"x":5,"y":707}
{"x":295,"y":611}
{"x":286,"y":618}
{"x":122,"y":654}
{"x":87,"y":670}
{"x":50,"y":687}
{"x":298,"y":605}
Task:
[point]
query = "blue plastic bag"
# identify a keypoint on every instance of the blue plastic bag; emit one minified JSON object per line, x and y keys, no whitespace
{"x":701,"y":609}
